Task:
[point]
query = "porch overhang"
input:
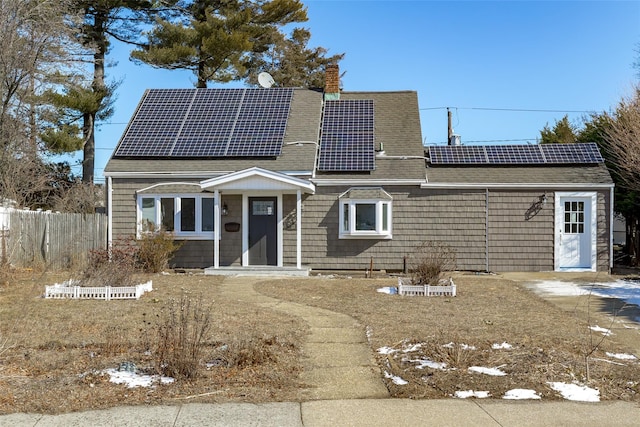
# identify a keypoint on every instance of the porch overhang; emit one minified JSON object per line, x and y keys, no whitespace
{"x":256,"y":178}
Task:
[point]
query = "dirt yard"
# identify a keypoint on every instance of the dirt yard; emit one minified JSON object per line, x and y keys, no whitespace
{"x":53,"y":352}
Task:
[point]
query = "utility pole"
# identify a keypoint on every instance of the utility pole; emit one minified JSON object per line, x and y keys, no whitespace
{"x":450,"y":129}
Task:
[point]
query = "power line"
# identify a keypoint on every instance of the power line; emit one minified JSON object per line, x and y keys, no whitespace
{"x":527,"y":110}
{"x":479,"y":141}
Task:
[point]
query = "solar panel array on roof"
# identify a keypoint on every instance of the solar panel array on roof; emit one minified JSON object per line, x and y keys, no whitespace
{"x":208,"y":123}
{"x":347,"y":139}
{"x":516,"y":154}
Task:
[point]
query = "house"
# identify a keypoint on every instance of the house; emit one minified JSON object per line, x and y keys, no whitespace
{"x":297,"y":179}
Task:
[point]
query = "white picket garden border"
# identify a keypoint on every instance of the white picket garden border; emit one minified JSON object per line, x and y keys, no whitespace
{"x":406,"y":288}
{"x":70,"y":289}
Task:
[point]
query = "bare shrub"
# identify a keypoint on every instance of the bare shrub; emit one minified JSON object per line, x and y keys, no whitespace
{"x":429,"y":260}
{"x":246,"y":351}
{"x":80,"y":197}
{"x":6,"y":273}
{"x":112,"y":267}
{"x":155,"y":249}
{"x":181,"y":333}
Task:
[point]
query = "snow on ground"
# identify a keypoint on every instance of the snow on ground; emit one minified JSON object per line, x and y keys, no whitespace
{"x":387,"y":350}
{"x":414,"y":347}
{"x":606,"y":332}
{"x":625,"y":290}
{"x":463,"y":394}
{"x":503,"y":346}
{"x":427,"y":363}
{"x":521,"y":394}
{"x":396,"y":380}
{"x":487,"y":371}
{"x":576,"y":392}
{"x":462,"y":346}
{"x":133,"y":379}
{"x":390,"y":290}
{"x":622,"y":356}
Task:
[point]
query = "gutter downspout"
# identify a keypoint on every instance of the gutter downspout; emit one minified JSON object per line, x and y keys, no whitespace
{"x":109,"y":215}
{"x":611,"y":196}
{"x":486,"y":228}
{"x":216,"y":229}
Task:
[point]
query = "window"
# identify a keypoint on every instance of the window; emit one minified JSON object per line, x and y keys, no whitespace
{"x":362,"y":218}
{"x":185,"y":216}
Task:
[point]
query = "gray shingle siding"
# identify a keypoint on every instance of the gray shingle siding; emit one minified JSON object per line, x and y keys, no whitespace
{"x":497,"y":236}
{"x":515,"y":242}
{"x":453,"y":217}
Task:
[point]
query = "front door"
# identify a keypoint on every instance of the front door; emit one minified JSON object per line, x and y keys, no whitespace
{"x":575,"y":228}
{"x":263,"y":240}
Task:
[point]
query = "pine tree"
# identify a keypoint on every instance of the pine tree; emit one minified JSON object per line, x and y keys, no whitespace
{"x":291,"y":63}
{"x":103,"y":20}
{"x":218,"y":39}
{"x":563,"y":132}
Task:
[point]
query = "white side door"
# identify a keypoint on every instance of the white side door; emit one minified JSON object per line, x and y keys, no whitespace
{"x":575,"y":239}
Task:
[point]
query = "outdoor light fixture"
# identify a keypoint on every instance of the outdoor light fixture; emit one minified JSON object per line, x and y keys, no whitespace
{"x":543,"y":199}
{"x":225,"y":209}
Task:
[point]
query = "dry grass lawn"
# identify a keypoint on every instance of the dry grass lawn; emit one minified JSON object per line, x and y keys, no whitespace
{"x":52,"y":352}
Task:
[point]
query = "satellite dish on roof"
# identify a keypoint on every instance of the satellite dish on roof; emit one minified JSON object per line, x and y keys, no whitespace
{"x":266,"y":80}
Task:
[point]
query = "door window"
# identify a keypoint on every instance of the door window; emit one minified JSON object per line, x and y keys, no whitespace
{"x":573,"y":217}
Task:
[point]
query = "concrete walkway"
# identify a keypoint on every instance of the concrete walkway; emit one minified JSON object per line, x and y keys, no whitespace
{"x":367,"y":412}
{"x":338,"y":362}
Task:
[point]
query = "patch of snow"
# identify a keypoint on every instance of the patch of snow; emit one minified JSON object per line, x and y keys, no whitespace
{"x":462,"y":346}
{"x":470,"y":393}
{"x":605,"y":332}
{"x":386,"y":350}
{"x":621,"y":356}
{"x":133,"y":379}
{"x":521,"y":394}
{"x":396,"y":380}
{"x":503,"y":346}
{"x":414,"y":347}
{"x":487,"y":371}
{"x":427,"y":363}
{"x":576,"y":392}
{"x":389,"y":290}
{"x":625,"y":290}
{"x":558,"y":288}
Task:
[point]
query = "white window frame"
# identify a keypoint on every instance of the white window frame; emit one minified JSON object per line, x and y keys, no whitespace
{"x":350,"y":231}
{"x":198,"y":234}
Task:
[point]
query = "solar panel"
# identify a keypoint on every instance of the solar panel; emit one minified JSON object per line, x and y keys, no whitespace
{"x":261,"y":124}
{"x":208,"y":123}
{"x":156,"y":124}
{"x":347,"y":139}
{"x":458,"y":154}
{"x":516,"y":154}
{"x":509,"y":154}
{"x":572,"y":153}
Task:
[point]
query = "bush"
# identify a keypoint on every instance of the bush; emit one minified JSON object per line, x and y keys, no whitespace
{"x":155,"y":249}
{"x":429,"y":261}
{"x":115,"y":267}
{"x":181,"y":333}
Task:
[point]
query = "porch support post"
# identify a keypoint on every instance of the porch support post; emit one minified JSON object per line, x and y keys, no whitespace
{"x":298,"y":229}
{"x":216,"y":229}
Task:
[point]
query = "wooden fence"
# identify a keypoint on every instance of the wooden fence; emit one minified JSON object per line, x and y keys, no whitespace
{"x":46,"y":239}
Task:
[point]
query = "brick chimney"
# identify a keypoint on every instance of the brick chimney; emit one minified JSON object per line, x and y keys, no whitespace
{"x":332,"y":82}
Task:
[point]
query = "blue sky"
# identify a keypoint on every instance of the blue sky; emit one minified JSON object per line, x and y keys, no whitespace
{"x":481,"y":59}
